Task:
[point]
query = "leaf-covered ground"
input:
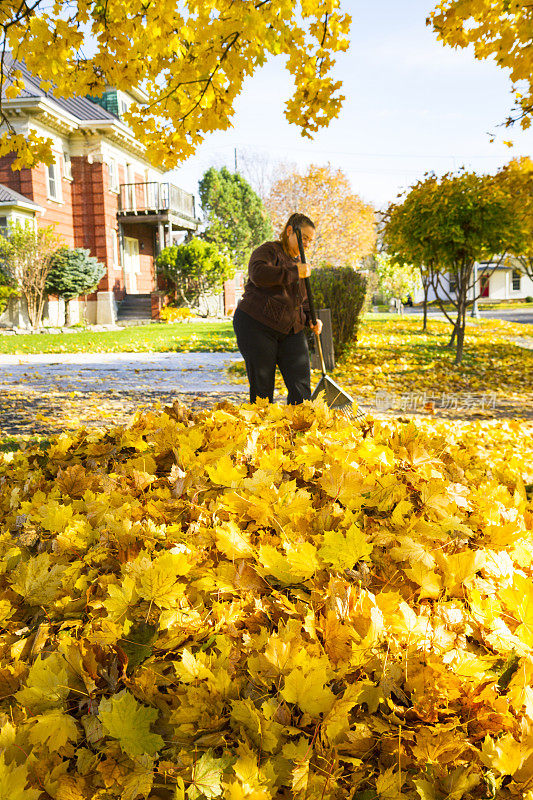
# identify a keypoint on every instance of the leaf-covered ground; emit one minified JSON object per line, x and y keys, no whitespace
{"x":27,"y":413}
{"x":393,"y":355}
{"x":393,"y":369}
{"x":268,"y":603}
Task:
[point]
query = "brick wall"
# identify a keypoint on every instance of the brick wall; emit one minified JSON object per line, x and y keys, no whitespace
{"x":145,"y":236}
{"x":19,"y":180}
{"x":57,"y":213}
{"x":86,"y":216}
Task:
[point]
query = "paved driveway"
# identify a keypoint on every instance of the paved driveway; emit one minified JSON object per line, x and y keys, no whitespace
{"x":105,"y":372}
{"x":522,"y":315}
{"x":42,"y":394}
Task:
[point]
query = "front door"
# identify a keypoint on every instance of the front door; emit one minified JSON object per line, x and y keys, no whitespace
{"x":132,"y":264}
{"x":484,"y":285}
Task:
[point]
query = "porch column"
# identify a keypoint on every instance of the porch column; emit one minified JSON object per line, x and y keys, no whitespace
{"x":161,"y":231}
{"x":106,"y":308}
{"x":122,"y":253}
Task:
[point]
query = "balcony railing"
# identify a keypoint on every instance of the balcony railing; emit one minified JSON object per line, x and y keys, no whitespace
{"x":155,"y":198}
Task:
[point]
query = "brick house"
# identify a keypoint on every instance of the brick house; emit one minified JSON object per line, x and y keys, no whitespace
{"x":101,"y":193}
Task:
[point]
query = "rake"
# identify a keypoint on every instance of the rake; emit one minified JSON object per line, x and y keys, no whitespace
{"x":334,"y":395}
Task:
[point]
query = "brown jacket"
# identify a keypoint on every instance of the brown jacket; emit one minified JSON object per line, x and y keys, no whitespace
{"x":274,"y":294}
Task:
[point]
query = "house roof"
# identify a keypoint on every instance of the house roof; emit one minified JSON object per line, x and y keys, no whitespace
{"x":79,"y":107}
{"x":11,"y":197}
{"x":511,"y":263}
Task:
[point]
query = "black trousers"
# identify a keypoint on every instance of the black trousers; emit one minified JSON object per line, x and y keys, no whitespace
{"x":263,"y":349}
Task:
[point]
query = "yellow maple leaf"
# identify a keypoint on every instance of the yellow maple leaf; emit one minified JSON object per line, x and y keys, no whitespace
{"x":413,"y":551}
{"x":13,"y":782}
{"x":389,"y":784}
{"x":139,"y":780}
{"x":128,"y":721}
{"x":307,"y":689}
{"x":337,"y":723}
{"x":232,"y":540}
{"x":47,"y":684}
{"x":519,"y":600}
{"x":192,"y":668}
{"x":55,"y":516}
{"x":53,"y":729}
{"x":520,"y":689}
{"x":337,"y":638}
{"x":430,"y":582}
{"x":225,"y":472}
{"x":263,"y":732}
{"x":343,"y":551}
{"x":297,"y":564}
{"x":505,"y":755}
{"x":460,"y":568}
{"x":38,"y":580}
{"x":120,"y":597}
{"x":158,"y":580}
{"x":298,"y":754}
{"x":460,"y":781}
{"x":251,"y":782}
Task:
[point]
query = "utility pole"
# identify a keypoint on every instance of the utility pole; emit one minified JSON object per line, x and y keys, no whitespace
{"x":235,"y":154}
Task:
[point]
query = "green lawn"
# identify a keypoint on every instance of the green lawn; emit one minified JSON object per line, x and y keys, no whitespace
{"x":179,"y":337}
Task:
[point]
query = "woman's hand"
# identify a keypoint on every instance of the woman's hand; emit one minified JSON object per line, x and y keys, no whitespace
{"x":316,"y":328}
{"x":304,"y":270}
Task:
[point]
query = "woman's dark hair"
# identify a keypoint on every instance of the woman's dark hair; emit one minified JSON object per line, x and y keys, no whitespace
{"x":295,"y":221}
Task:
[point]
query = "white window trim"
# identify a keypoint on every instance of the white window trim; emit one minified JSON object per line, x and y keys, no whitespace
{"x":115,"y":186}
{"x":115,"y":249}
{"x":58,"y":197}
{"x":519,"y":281}
{"x":67,"y":172}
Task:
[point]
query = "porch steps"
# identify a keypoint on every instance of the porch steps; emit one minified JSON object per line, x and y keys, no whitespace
{"x":135,"y":309}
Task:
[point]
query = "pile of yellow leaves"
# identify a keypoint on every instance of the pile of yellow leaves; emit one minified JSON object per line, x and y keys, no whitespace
{"x":265,"y":602}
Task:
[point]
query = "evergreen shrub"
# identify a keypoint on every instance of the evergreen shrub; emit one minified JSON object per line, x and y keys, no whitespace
{"x":74,"y":272}
{"x":343,"y":291}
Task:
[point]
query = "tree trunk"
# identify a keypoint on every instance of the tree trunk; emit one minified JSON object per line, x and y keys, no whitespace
{"x":460,"y":327}
{"x":425,"y":323}
{"x":32,"y":310}
{"x":460,"y":343}
{"x":69,"y":312}
{"x":454,"y":333}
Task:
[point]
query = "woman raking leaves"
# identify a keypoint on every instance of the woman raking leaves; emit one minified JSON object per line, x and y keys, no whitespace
{"x":272,"y":314}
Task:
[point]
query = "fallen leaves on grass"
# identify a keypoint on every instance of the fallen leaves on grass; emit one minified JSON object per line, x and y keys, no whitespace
{"x":395,"y":356}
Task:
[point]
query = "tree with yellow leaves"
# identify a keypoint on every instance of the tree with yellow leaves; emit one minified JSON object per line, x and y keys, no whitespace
{"x":499,"y":29}
{"x":517,"y":180}
{"x":346,"y":225}
{"x":191,"y":59}
{"x":446,"y":225}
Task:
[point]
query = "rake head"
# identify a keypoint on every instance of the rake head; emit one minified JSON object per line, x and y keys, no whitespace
{"x":336,"y":398}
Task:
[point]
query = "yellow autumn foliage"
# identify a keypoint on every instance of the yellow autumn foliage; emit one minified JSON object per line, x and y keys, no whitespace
{"x":183,"y":64}
{"x":280,"y":604}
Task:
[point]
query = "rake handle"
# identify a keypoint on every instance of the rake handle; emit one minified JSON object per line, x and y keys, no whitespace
{"x":312,"y":309}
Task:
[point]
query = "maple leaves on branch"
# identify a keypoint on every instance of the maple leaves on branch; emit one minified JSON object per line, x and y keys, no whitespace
{"x":190,"y":58}
{"x":263,"y":602}
{"x":497,"y":29}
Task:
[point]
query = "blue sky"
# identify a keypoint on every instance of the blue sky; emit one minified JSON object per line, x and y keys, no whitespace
{"x":412,"y":105}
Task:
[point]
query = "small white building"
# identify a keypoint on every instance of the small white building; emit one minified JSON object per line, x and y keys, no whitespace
{"x":15,"y":208}
{"x":500,"y":282}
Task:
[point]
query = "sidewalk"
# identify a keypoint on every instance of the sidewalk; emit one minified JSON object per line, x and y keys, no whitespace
{"x":107,"y":372}
{"x":51,"y":393}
